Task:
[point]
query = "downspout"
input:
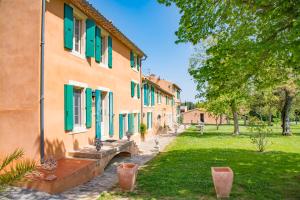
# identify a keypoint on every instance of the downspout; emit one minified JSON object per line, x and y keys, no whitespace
{"x":42,"y":143}
{"x":141,"y":85}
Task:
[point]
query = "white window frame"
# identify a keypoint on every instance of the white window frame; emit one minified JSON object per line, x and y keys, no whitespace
{"x":82,"y":127}
{"x":104,"y":52}
{"x":135,"y":90}
{"x":79,"y":15}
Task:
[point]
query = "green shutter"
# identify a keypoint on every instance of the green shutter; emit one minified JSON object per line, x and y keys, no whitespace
{"x":68,"y":27}
{"x":98,"y":47}
{"x":145,"y":95}
{"x":131,"y":59}
{"x":152,"y":96}
{"x":138,"y":63}
{"x":109,"y":51}
{"x":138,"y":90}
{"x":139,"y":122}
{"x":132,"y":88}
{"x":121,"y":126}
{"x":98,"y":113}
{"x":68,"y":90}
{"x":90,"y":38}
{"x":111,"y":114}
{"x":148,"y":120}
{"x":88,"y":109}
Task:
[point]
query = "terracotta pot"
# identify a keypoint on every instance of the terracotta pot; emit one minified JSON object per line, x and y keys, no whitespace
{"x":222,"y":178}
{"x":127,"y":173}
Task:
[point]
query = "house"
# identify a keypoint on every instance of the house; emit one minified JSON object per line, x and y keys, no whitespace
{"x":158,"y":106}
{"x":200,"y":115}
{"x":92,"y":78}
{"x":173,"y":89}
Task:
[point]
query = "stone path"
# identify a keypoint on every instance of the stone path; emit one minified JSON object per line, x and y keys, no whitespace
{"x":92,"y":189}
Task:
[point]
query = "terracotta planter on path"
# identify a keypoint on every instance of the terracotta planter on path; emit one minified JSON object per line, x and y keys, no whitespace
{"x":223,"y":179}
{"x":127,"y":173}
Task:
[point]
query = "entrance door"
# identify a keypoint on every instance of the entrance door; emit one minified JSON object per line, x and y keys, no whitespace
{"x":202,"y":117}
{"x":104,"y":115}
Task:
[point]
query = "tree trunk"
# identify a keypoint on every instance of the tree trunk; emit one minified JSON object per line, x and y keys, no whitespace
{"x":236,"y":130}
{"x":285,"y":120}
{"x":221,"y":119}
{"x":270,"y":118}
{"x":217,"y":124}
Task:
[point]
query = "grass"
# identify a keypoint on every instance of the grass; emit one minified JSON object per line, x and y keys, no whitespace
{"x":183,"y":170}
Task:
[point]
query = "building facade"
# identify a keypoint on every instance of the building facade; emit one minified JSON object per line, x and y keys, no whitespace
{"x":93,"y":85}
{"x":91,"y":78}
{"x":200,"y":115}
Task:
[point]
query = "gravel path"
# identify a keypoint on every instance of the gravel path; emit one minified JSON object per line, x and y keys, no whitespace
{"x":104,"y":182}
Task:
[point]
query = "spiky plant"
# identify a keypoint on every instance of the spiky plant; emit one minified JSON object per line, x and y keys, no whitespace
{"x":12,"y":171}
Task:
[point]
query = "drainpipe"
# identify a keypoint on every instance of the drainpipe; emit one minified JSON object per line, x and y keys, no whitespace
{"x":141,"y":85}
{"x":42,"y":143}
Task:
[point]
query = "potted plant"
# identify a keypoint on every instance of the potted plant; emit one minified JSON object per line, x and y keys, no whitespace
{"x":222,"y":178}
{"x":48,"y":168}
{"x":143,"y":129}
{"x":127,"y":173}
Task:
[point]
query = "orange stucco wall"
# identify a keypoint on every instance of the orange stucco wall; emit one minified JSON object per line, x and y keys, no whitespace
{"x":19,"y":76}
{"x":61,"y":66}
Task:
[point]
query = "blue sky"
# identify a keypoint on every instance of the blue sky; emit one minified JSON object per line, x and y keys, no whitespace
{"x":152,"y":27}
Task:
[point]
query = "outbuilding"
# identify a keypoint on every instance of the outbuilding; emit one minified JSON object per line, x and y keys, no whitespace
{"x":200,"y":115}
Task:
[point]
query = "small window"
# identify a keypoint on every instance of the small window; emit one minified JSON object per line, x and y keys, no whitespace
{"x":77,"y":102}
{"x":104,"y":50}
{"x":77,"y":35}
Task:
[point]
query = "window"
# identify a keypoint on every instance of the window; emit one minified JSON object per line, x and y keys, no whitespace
{"x":104,"y":50}
{"x":77,"y":43}
{"x":178,"y":94}
{"x":78,"y":108}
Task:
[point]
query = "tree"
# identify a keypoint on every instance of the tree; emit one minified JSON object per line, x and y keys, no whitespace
{"x":218,"y":108}
{"x":254,"y":42}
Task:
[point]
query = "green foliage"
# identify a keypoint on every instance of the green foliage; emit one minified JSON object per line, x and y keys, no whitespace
{"x":11,"y":172}
{"x":143,"y":128}
{"x":260,"y":132}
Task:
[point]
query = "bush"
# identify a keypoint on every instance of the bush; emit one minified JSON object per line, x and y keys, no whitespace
{"x":260,"y":136}
{"x":143,"y":128}
{"x":11,"y":172}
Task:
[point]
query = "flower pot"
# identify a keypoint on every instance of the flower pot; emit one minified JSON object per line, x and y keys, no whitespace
{"x":222,"y":178}
{"x":127,"y":173}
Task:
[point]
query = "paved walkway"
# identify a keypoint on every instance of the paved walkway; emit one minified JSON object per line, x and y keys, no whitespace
{"x":92,"y":189}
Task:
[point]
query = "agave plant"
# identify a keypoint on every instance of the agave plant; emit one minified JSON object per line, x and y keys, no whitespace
{"x":13,"y":169}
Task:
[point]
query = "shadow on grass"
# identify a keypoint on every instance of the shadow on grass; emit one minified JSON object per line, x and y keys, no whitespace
{"x":185,"y":174}
{"x":213,"y":133}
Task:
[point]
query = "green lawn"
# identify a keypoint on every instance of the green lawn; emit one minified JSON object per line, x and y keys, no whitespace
{"x":183,"y":170}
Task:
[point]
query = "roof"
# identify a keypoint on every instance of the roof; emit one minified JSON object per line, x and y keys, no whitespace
{"x":156,"y":85}
{"x":163,"y":83}
{"x":93,"y":13}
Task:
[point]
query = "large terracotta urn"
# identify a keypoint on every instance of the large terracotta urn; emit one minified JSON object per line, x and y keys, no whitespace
{"x":223,"y":179}
{"x":127,"y":173}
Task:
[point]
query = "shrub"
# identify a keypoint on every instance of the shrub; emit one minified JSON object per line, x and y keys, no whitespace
{"x":11,"y":172}
{"x":143,"y":128}
{"x":260,"y":132}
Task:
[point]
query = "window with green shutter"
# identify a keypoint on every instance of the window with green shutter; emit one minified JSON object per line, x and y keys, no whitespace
{"x":131,"y":59}
{"x":109,"y":41}
{"x":98,"y":48}
{"x":152,"y":96}
{"x":88,"y":103}
{"x":138,"y":90}
{"x":68,"y":26}
{"x":132,"y":88}
{"x":138,"y":62}
{"x":68,"y":104}
{"x":145,"y":94}
{"x":90,"y":38}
